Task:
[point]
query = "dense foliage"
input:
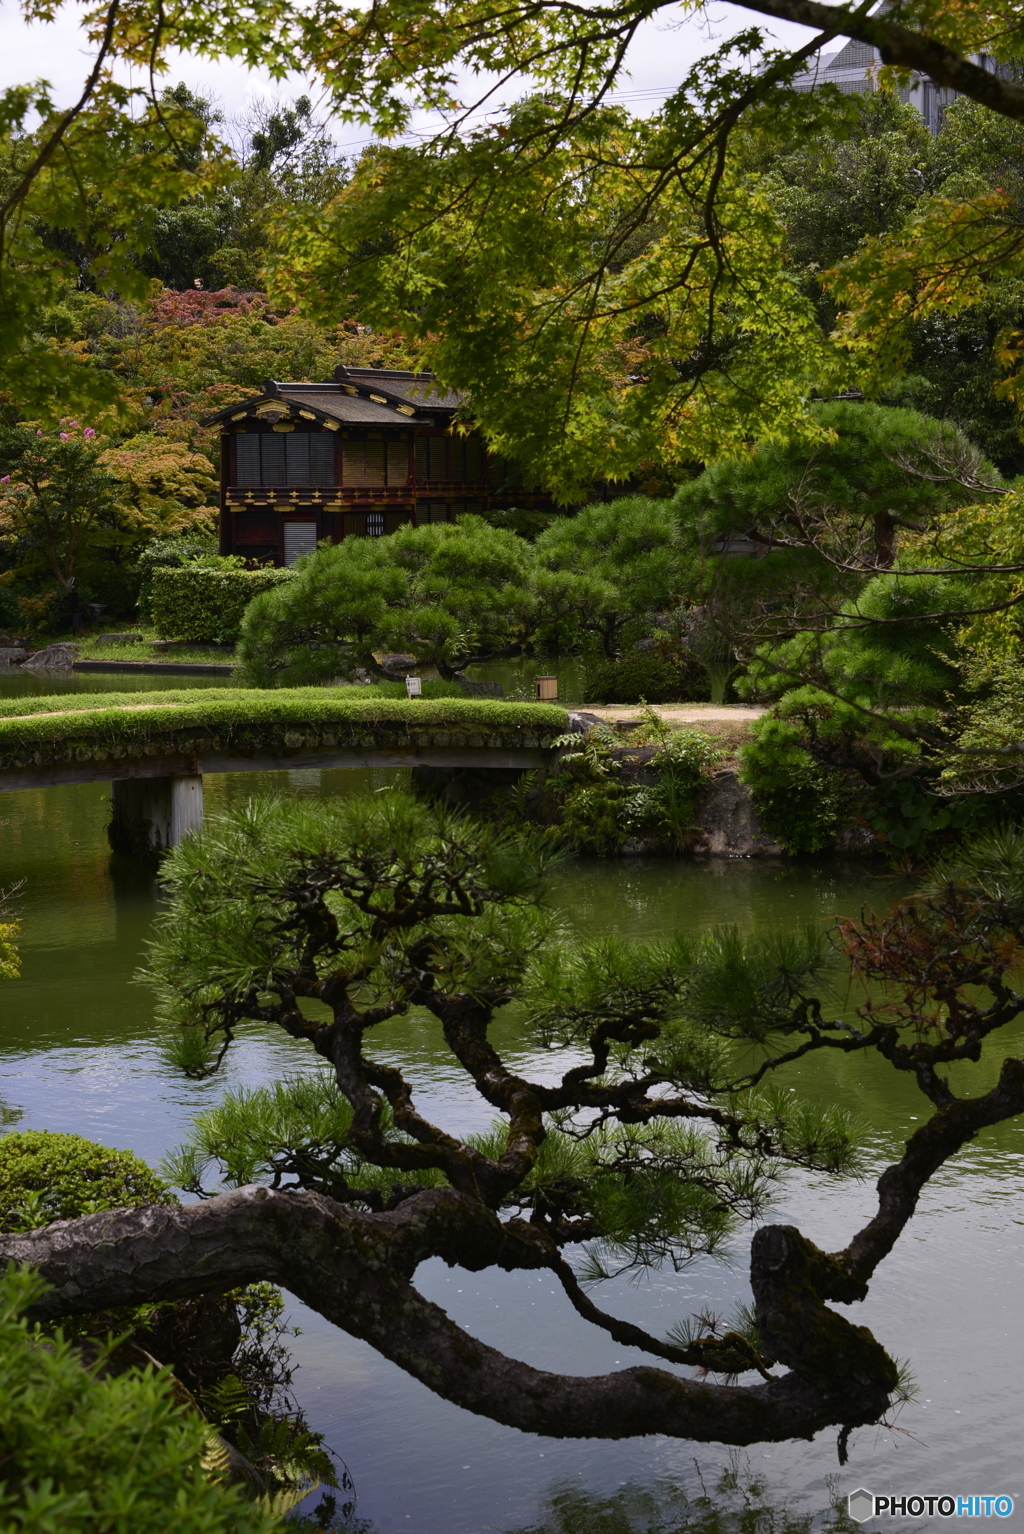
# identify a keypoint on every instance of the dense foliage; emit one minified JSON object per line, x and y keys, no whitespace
{"x":225,"y":1350}
{"x":645,"y":676}
{"x":447,"y":594}
{"x":616,"y":786}
{"x":621,"y":562}
{"x":873,"y":471}
{"x":89,"y":1452}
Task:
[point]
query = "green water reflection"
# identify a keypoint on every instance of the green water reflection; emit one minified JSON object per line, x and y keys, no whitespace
{"x":78,"y":1050}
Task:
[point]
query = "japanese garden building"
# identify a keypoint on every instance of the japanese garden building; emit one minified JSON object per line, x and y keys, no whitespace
{"x":371,"y":451}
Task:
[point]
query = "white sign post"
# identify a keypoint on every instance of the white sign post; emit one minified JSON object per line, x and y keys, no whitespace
{"x":413,"y":687}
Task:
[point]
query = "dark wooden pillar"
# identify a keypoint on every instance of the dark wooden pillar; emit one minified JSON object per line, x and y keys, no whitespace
{"x":226,"y":466}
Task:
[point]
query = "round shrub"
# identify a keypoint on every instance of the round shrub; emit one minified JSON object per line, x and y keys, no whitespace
{"x":46,"y":1176}
{"x":645,"y":675}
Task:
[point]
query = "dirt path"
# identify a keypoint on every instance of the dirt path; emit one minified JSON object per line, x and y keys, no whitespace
{"x":680,"y":713}
{"x":728,"y":723}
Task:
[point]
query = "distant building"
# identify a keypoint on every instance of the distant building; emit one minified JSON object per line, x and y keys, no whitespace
{"x":369,"y":452}
{"x":854,"y":69}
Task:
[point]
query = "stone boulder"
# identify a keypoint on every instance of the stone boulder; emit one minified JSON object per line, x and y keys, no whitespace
{"x":397,"y":666}
{"x":56,"y":657}
{"x":729,"y":823}
{"x":11,"y":655}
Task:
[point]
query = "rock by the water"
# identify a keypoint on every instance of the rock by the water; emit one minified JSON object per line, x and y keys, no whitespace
{"x":729,"y":822}
{"x":397,"y":665}
{"x":581,"y":723}
{"x":56,"y":657}
{"x":11,"y":655}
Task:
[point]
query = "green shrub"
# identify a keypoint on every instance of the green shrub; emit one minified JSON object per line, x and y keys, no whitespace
{"x":80,"y":1454}
{"x":222,"y":1348}
{"x":204,"y":602}
{"x":798,"y":802}
{"x":47,"y":1176}
{"x":646,"y":676}
{"x":598,"y":807}
{"x":685,"y":761}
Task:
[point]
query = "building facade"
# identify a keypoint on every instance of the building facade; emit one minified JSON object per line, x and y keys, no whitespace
{"x":854,"y":69}
{"x":370,"y":452}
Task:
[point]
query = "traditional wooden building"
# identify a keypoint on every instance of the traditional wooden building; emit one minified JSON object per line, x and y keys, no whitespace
{"x":360,"y":456}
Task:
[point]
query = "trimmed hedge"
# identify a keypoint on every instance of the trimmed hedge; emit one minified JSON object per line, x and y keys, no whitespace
{"x":204,"y":603}
{"x":97,"y":725}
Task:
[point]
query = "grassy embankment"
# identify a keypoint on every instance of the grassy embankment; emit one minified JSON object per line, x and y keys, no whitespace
{"x":242,"y":716}
{"x":146,"y":648}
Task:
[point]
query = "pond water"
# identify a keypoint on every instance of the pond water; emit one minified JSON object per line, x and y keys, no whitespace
{"x":79,"y":1051}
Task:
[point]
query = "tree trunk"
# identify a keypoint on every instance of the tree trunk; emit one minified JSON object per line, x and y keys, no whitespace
{"x":354,"y":1268}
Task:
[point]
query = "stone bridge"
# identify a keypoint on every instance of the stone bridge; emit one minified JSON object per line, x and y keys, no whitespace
{"x":156,"y":753}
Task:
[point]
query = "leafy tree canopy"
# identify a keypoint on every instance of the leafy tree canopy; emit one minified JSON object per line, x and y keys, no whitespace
{"x":608,"y":290}
{"x":447,"y":594}
{"x":886,"y":667}
{"x":55,"y":498}
{"x":874,"y":471}
{"x":80,"y":194}
{"x":628,"y":563}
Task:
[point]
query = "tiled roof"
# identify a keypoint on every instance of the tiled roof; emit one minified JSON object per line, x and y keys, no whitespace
{"x":363,"y":396}
{"x":332,"y":401}
{"x":415,"y":388}
{"x":337,"y":402}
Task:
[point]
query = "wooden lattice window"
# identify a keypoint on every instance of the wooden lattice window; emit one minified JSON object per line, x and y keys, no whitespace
{"x":284,"y":458}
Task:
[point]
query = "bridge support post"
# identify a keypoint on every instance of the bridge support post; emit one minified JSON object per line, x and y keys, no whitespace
{"x":152,"y":815}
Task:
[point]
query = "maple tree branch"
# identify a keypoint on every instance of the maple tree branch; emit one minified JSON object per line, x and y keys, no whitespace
{"x":52,"y":144}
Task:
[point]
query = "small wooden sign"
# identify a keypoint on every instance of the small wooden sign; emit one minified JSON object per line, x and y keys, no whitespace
{"x":547,"y":689}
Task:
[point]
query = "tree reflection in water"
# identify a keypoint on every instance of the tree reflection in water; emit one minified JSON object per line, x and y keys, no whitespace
{"x":734,"y":1500}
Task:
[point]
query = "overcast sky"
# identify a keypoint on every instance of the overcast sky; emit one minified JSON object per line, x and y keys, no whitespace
{"x":56,"y":52}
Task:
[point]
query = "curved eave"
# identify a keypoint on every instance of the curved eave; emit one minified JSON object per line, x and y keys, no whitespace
{"x":371,"y":412}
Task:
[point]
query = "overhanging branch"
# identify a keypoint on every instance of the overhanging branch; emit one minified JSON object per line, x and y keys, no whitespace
{"x":354,"y":1268}
{"x":903,"y":48}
